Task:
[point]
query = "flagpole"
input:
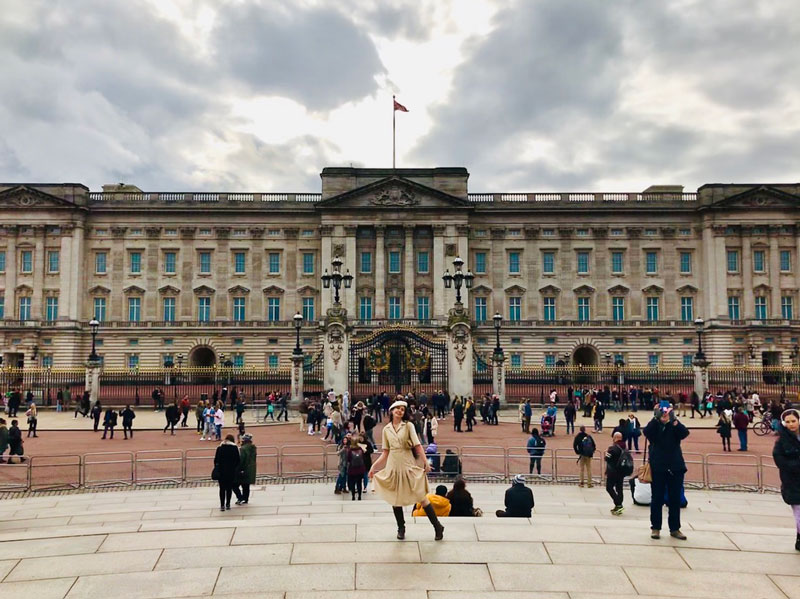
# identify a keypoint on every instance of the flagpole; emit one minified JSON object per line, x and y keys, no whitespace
{"x":393,"y":132}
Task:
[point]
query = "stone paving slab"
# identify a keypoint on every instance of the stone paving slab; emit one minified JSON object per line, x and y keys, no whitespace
{"x":733,"y":584}
{"x":442,"y":577}
{"x":385,"y":594}
{"x":772,"y":543}
{"x":238,"y":555}
{"x":716,"y":560}
{"x":632,"y":536}
{"x":147,"y":585}
{"x":614,"y":555}
{"x":6,"y":566}
{"x":294,"y":534}
{"x":67,"y":531}
{"x":95,"y":518}
{"x":22,"y":523}
{"x":167,"y":539}
{"x":84,"y":564}
{"x":152,"y":525}
{"x":534,"y":578}
{"x":538,"y":532}
{"x":788,"y":584}
{"x":345,"y":553}
{"x":458,"y":552}
{"x":495,"y":595}
{"x":48,"y":547}
{"x":414,"y":532}
{"x":301,"y":577}
{"x":54,"y":588}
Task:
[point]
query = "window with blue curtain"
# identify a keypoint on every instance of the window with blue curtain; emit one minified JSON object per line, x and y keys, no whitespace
{"x":617,"y":263}
{"x":273,"y":309}
{"x":134,"y":309}
{"x":308,"y":308}
{"x":761,"y":307}
{"x":2,"y":261}
{"x":786,"y":261}
{"x":272,"y":361}
{"x":652,"y":308}
{"x":27,"y":261}
{"x":136,"y":262}
{"x":549,"y":306}
{"x":787,"y":307}
{"x":394,"y":262}
{"x":515,"y":308}
{"x":423,"y":308}
{"x":548,"y":262}
{"x":686,"y":263}
{"x":395,"y":309}
{"x":480,"y":309}
{"x":169,"y":263}
{"x":423,"y":262}
{"x":238,"y":360}
{"x":203,"y":309}
{"x":549,"y":360}
{"x":365,"y":308}
{"x":308,"y":263}
{"x":366,"y":262}
{"x":274,"y":263}
{"x":583,"y":263}
{"x":651,"y":262}
{"x":618,"y":308}
{"x":169,"y":309}
{"x":205,"y":263}
{"x":99,"y":311}
{"x":687,"y":360}
{"x":516,"y":361}
{"x":653,"y":360}
{"x":513,"y":263}
{"x":687,"y":309}
{"x":480,"y":263}
{"x":238,"y":309}
{"x":733,"y":307}
{"x":733,"y":261}
{"x":239,"y":263}
{"x":51,"y":308}
{"x":758,"y":261}
{"x":584,"y":309}
{"x":52,"y":261}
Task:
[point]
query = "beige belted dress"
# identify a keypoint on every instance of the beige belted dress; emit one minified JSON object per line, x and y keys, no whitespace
{"x":402,"y":481}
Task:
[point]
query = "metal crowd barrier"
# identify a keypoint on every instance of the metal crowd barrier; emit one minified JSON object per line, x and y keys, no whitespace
{"x":724,"y":471}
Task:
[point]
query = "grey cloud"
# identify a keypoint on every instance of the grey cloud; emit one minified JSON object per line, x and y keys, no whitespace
{"x":410,"y":20}
{"x":317,"y":57}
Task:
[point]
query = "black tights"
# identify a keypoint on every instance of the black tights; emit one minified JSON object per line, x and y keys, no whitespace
{"x":726,"y":443}
{"x":355,"y":482}
{"x":225,"y":492}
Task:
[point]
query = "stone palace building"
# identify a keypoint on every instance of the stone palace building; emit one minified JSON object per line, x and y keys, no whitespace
{"x":580,"y":278}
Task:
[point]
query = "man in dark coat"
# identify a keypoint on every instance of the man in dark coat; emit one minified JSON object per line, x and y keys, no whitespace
{"x":15,"y":442}
{"x":665,"y":434}
{"x":226,"y":466}
{"x":786,"y":454}
{"x":127,"y":420}
{"x":109,"y":422}
{"x":518,"y":500}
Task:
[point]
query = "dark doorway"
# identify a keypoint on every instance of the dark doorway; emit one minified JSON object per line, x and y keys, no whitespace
{"x":585,"y":356}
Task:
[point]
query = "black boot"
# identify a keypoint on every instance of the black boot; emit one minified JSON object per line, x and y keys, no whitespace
{"x":797,"y":542}
{"x":401,"y":522}
{"x":437,"y":527}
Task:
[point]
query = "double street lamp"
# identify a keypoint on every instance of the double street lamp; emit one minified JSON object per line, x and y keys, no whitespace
{"x":94,"y":326}
{"x":458,"y":278}
{"x":698,"y":324}
{"x":337,"y":279}
{"x":298,"y":322}
{"x":498,"y":322}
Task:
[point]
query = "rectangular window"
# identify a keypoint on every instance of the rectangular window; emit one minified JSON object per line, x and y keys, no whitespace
{"x":548,"y":263}
{"x":365,"y":308}
{"x":169,"y":309}
{"x":617,"y":266}
{"x":687,"y":309}
{"x":761,"y":307}
{"x":47,"y":360}
{"x":583,"y":263}
{"x":272,"y":360}
{"x":686,"y":263}
{"x":203,"y":309}
{"x":366,"y":262}
{"x":480,"y":309}
{"x":515,"y":308}
{"x":238,"y":309}
{"x":26,"y":264}
{"x":133,"y":360}
{"x":787,"y":307}
{"x":480,"y":263}
{"x":308,"y":263}
{"x":549,"y":305}
{"x":423,"y":308}
{"x":652,"y":308}
{"x":651,"y":263}
{"x":136,"y":262}
{"x":758,"y":261}
{"x":733,"y":260}
{"x":274,"y":259}
{"x":308,"y":309}
{"x":2,"y":261}
{"x":24,"y":308}
{"x":618,"y":308}
{"x":423,"y":262}
{"x":786,"y":261}
{"x":99,"y":309}
{"x":549,"y":360}
{"x":238,"y":263}
{"x":516,"y":360}
{"x":238,"y":360}
{"x":513,"y":263}
{"x":51,"y":308}
{"x":687,"y":360}
{"x":395,"y":309}
{"x":100,"y":263}
{"x":170,"y":260}
{"x":52,"y":261}
{"x":733,"y":307}
{"x":273,"y":309}
{"x":653,"y":360}
{"x":583,"y":309}
{"x":205,"y":263}
{"x":134,"y":309}
{"x":394,"y":262}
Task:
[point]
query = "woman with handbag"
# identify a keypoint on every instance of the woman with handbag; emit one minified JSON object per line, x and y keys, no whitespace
{"x":399,"y":475}
{"x":667,"y":468}
{"x":226,"y":469}
{"x":786,"y":454}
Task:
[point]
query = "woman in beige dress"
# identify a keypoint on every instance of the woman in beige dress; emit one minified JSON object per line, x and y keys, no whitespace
{"x":399,"y":475}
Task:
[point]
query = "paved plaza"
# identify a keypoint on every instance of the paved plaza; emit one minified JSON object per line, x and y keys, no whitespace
{"x":302,"y":542}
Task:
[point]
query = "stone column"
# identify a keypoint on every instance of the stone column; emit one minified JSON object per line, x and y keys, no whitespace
{"x":796,"y":265}
{"x":380,"y":273}
{"x":408,"y":273}
{"x":11,"y":273}
{"x":700,"y":368}
{"x":78,"y":284}
{"x":499,"y":377}
{"x":635,"y":281}
{"x":65,"y":276}
{"x":290,"y":300}
{"x":92,"y":380}
{"x":350,"y":261}
{"x":720,"y":273}
{"x":336,"y":351}
{"x":223,"y":304}
{"x":188,"y":256}
{"x":151,"y":273}
{"x":459,"y":354}
{"x":297,"y":378}
{"x":499,"y":269}
{"x":748,"y":305}
{"x":326,"y":244}
{"x":601,"y":267}
{"x":774,"y":273}
{"x":438,"y":271}
{"x":463,"y":252}
{"x":37,"y":307}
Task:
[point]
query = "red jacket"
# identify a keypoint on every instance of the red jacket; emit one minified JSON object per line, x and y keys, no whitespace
{"x":741,"y":421}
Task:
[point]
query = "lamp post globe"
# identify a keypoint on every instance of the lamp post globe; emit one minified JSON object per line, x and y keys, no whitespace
{"x":94,"y":327}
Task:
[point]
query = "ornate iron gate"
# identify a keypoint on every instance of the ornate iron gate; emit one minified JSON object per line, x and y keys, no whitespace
{"x":397,"y":361}
{"x":313,"y":369}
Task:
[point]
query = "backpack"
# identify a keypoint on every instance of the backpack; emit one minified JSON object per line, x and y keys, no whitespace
{"x":624,"y":465}
{"x":356,"y":460}
{"x":587,"y":446}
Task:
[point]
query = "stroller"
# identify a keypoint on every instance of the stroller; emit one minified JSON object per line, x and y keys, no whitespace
{"x":547,"y":426}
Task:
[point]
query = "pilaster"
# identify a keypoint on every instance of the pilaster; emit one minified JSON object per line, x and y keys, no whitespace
{"x":438,"y":271}
{"x":408,"y":272}
{"x":380,"y":273}
{"x":37,"y":308}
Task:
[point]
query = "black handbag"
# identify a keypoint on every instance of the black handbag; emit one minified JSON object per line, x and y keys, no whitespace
{"x":215,"y":473}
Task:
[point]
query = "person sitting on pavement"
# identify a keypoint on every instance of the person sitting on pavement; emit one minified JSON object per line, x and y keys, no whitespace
{"x":439,"y":501}
{"x":518,"y":500}
{"x":461,"y":504}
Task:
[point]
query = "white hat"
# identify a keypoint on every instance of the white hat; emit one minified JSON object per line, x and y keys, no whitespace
{"x":519,"y":479}
{"x":398,"y":403}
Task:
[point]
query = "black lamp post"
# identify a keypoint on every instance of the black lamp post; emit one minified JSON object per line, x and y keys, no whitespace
{"x":792,"y":356}
{"x":458,"y":278}
{"x":698,"y":324}
{"x":94,"y":326}
{"x":337,"y":279}
{"x":298,"y":322}
{"x":751,"y":350}
{"x":498,"y":322}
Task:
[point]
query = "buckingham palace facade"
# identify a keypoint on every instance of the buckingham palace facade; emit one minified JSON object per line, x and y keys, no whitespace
{"x":577,"y":277}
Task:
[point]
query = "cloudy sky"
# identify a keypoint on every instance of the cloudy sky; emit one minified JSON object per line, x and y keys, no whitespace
{"x":529,"y":95}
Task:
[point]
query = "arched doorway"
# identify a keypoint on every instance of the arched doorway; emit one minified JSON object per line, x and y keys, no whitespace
{"x":585,"y":356}
{"x":202,"y":357}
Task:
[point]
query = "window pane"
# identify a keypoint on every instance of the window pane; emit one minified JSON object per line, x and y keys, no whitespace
{"x":394,"y":262}
{"x":2,"y":261}
{"x":204,"y":309}
{"x":733,"y":261}
{"x":136,"y":262}
{"x":365,"y":308}
{"x":169,"y":262}
{"x":480,"y":262}
{"x":618,"y":308}
{"x":786,"y":260}
{"x":51,"y":310}
{"x":616,"y":262}
{"x":238,"y":260}
{"x":205,"y":262}
{"x":27,"y":261}
{"x":514,"y":308}
{"x":308,"y":308}
{"x":651,"y":262}
{"x":686,"y":263}
{"x":516,"y":361}
{"x":366,"y":262}
{"x":273,"y":361}
{"x":549,"y":308}
{"x":274,"y":263}
{"x":761,"y":307}
{"x":423,"y":308}
{"x":100,"y":262}
{"x":787,"y":307}
{"x":758,"y":261}
{"x":583,"y":309}
{"x":583,"y":262}
{"x":274,"y":308}
{"x":134,"y":309}
{"x":548,"y":262}
{"x":238,"y":309}
{"x":308,"y":263}
{"x":733,"y":307}
{"x":394,"y":308}
{"x":52,"y":261}
{"x":169,"y":309}
{"x":480,"y":309}
{"x":513,"y":262}
{"x":100,"y":309}
{"x":652,"y":308}
{"x":687,"y":309}
{"x":422,"y":262}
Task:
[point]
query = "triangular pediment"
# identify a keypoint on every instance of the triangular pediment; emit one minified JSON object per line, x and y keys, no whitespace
{"x":133,"y":289}
{"x":99,"y":290}
{"x":307,"y":290}
{"x":481,"y":290}
{"x":653,"y":289}
{"x":549,"y":290}
{"x":584,"y":290}
{"x":273,"y":290}
{"x":760,"y":196}
{"x":169,"y":290}
{"x":238,"y":289}
{"x":204,"y":290}
{"x":762,"y":288}
{"x":395,"y":193}
{"x":515,"y":289}
{"x":618,"y":290}
{"x":26,"y":197}
{"x":687,"y":289}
